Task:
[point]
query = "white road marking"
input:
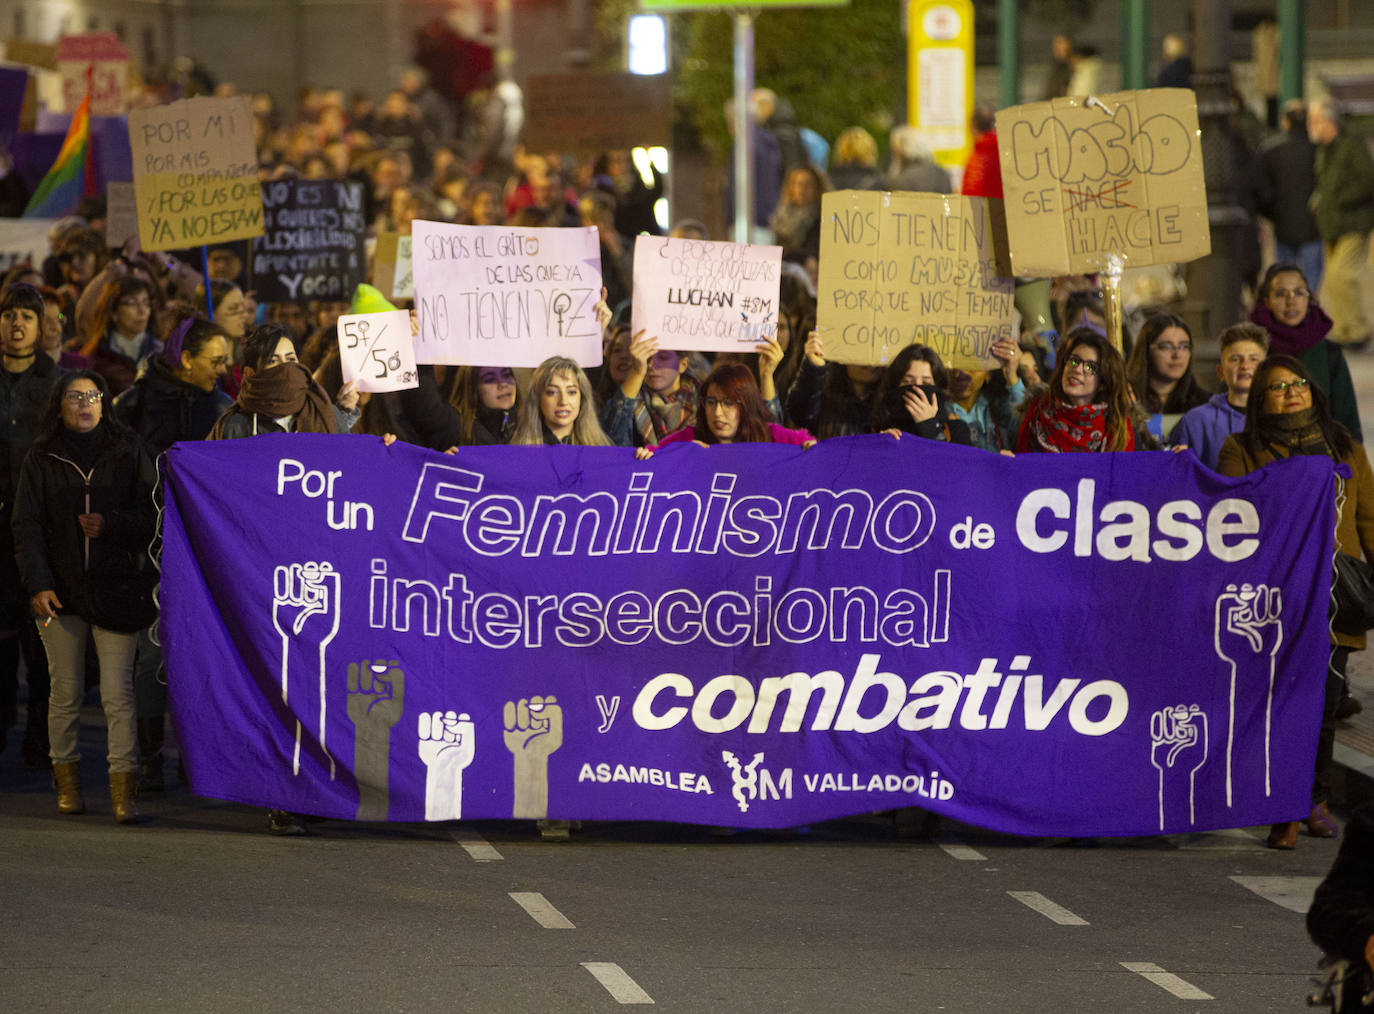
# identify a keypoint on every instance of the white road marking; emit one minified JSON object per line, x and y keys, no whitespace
{"x":964,"y":853}
{"x":1292,"y":893}
{"x":476,"y":846}
{"x":540,"y":910}
{"x":1055,"y":913}
{"x":622,"y":988}
{"x":1180,"y":988}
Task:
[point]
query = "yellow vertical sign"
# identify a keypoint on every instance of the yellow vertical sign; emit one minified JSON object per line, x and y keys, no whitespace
{"x":939,"y":76}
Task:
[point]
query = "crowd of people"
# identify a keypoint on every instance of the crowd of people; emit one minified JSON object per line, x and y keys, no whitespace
{"x":112,"y":355}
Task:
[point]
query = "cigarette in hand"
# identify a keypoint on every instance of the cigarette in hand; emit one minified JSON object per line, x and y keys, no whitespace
{"x":47,"y":621}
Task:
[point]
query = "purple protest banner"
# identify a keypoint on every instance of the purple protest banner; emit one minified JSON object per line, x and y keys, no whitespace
{"x":755,"y":635}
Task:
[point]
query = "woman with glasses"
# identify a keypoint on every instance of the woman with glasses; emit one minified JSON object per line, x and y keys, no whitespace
{"x":234,"y":313}
{"x":1287,"y":308}
{"x":120,"y":337}
{"x":1160,"y":367}
{"x":1086,"y":406}
{"x":83,"y":518}
{"x":1287,"y":415}
{"x":732,"y":411}
{"x":913,"y":398}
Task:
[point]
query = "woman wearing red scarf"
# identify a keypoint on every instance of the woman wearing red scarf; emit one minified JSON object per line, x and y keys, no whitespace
{"x":1287,"y":308}
{"x":1085,"y":407}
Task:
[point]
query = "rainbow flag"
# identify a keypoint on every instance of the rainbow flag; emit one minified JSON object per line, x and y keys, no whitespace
{"x":72,"y":176}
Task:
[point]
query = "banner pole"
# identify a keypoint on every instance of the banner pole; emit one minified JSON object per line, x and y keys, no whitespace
{"x":205,"y":272}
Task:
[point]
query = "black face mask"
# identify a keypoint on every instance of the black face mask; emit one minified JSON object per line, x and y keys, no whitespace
{"x":929,"y":390}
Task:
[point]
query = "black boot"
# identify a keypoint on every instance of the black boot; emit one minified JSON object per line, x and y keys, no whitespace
{"x":151,"y":732}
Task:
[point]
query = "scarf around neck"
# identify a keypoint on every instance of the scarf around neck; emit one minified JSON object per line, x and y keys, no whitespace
{"x":1057,"y":426}
{"x":1291,"y":341}
{"x":284,"y":390}
{"x":1297,"y":432}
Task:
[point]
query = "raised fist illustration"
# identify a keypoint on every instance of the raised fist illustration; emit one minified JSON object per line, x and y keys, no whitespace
{"x":533,"y":731}
{"x":447,"y":746}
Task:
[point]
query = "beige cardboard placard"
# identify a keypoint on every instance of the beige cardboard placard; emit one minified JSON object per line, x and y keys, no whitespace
{"x":392,"y":273}
{"x":1084,"y":178}
{"x":898,"y":268}
{"x":33,"y":54}
{"x":594,"y":111}
{"x":195,"y":173}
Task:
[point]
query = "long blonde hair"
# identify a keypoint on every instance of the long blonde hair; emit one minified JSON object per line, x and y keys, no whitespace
{"x":586,"y":430}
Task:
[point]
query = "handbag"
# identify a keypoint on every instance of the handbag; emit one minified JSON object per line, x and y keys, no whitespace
{"x":1352,"y":595}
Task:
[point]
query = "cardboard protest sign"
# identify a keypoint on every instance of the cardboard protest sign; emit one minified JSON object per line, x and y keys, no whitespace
{"x":898,"y":268}
{"x":491,"y":295}
{"x":376,"y":351}
{"x":108,"y":61}
{"x":702,"y":296}
{"x":591,"y":112}
{"x":392,"y":272}
{"x":195,"y":173}
{"x":1115,"y":174}
{"x":121,"y":213}
{"x":313,"y":245}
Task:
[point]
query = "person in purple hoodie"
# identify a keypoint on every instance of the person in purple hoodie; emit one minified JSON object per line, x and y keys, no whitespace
{"x":1205,"y":428}
{"x":1287,"y":308}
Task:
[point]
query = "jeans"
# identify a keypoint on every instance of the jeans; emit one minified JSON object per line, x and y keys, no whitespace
{"x":1308,"y":257}
{"x":64,"y":638}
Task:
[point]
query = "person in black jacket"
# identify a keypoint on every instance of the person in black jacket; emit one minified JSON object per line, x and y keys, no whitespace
{"x":912,"y":397}
{"x":26,"y":379}
{"x":1341,"y":919}
{"x":83,"y":519}
{"x":175,"y":397}
{"x":1288,"y":167}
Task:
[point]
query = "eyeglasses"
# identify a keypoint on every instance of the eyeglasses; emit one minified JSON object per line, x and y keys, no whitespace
{"x":725,"y":403}
{"x":215,"y":361}
{"x":82,"y":397}
{"x":135,"y":304}
{"x":1169,"y":348}
{"x":1290,"y":293}
{"x":1087,"y":365}
{"x":1283,"y":385}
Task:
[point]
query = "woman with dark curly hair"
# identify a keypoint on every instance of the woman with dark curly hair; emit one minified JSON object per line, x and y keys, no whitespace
{"x":1086,"y":407}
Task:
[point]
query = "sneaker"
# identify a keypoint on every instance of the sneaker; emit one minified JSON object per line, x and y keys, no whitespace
{"x":1348,"y":706}
{"x":285,"y":823}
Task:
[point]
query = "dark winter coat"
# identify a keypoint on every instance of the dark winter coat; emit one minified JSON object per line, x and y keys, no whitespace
{"x":162,"y":409}
{"x":52,"y":551}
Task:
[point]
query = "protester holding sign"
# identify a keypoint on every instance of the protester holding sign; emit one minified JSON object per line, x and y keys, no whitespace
{"x":174,"y":398}
{"x":119,"y":338}
{"x":560,"y":408}
{"x":280,"y":396}
{"x":1287,"y":308}
{"x":1287,"y":415}
{"x":912,"y":398}
{"x":1086,"y":407}
{"x":82,"y":522}
{"x":734,"y":411}
{"x":830,"y":402}
{"x":986,"y":399}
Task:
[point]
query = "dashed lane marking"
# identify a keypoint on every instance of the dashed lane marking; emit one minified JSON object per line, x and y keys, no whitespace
{"x":1167,"y":981}
{"x":622,"y":988}
{"x":1055,"y":913}
{"x":964,"y":853}
{"x":476,"y":846}
{"x":540,"y":910}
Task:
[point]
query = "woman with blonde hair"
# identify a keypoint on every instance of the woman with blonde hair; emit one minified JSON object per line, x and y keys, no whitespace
{"x":854,"y":163}
{"x":560,"y":408}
